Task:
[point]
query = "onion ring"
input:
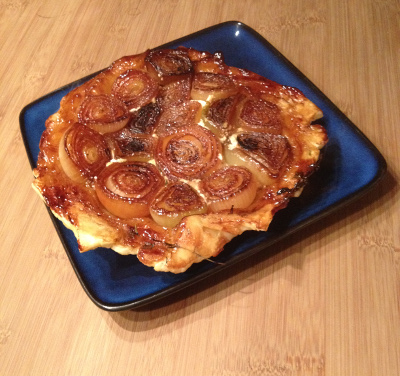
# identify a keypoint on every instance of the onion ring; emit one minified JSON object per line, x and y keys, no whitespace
{"x":189,"y":153}
{"x":174,"y":202}
{"x":126,"y":189}
{"x":83,"y":153}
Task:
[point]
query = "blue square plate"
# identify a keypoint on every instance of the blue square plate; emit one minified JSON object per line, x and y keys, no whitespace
{"x":350,"y":166}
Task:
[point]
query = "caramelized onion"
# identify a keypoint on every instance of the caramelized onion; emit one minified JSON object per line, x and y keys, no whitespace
{"x":265,"y":155}
{"x":174,"y":202}
{"x":179,"y":116}
{"x":269,"y":149}
{"x":256,"y":86}
{"x":229,"y":188}
{"x":144,"y":120}
{"x":260,"y":115}
{"x":196,"y":55}
{"x":104,"y":81}
{"x":103,"y":113}
{"x":126,"y":189}
{"x":175,"y":93}
{"x":217,"y":86}
{"x":135,"y":88}
{"x":129,"y":145}
{"x":211,"y":64}
{"x":219,"y":116}
{"x":83,"y":153}
{"x":238,"y":157}
{"x":189,"y":153}
{"x":100,"y":84}
{"x":168,"y":65}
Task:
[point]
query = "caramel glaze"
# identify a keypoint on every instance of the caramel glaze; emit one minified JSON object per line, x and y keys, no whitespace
{"x":288,"y":115}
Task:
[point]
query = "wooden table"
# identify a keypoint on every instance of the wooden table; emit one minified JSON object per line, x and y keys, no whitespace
{"x":326,"y":302}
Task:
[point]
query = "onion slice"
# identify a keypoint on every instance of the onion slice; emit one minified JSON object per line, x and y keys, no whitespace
{"x":270,"y":150}
{"x":129,"y":145}
{"x":175,"y":93}
{"x":144,"y":120}
{"x":265,"y":155}
{"x":103,"y":113}
{"x":238,"y":157}
{"x":126,"y":189}
{"x":177,"y":117}
{"x":217,"y":86}
{"x":229,"y":188}
{"x":83,"y":153}
{"x":220,"y":116}
{"x":168,"y":65}
{"x":189,"y":153}
{"x":135,"y":88}
{"x":260,"y":116}
{"x":174,"y":202}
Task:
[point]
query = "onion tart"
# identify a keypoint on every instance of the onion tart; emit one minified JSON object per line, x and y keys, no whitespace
{"x":171,"y":153}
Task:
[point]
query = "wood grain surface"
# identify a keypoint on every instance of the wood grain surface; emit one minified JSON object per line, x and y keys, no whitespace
{"x":322,"y":302}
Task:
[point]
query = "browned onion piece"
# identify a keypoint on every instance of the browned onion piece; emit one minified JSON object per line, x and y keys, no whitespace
{"x":229,"y":188}
{"x":260,"y":115}
{"x":83,"y":153}
{"x":218,"y":86}
{"x":103,"y":113}
{"x":183,"y":115}
{"x":211,"y":64}
{"x":270,"y":150}
{"x":189,"y":153}
{"x":220,"y":114}
{"x":257,"y":86}
{"x":174,"y":202}
{"x":144,"y":120}
{"x":175,"y":93}
{"x":135,"y":88}
{"x":168,"y":65}
{"x":100,"y":84}
{"x":196,"y":55}
{"x":126,"y":189}
{"x":104,"y":81}
{"x":130,"y":145}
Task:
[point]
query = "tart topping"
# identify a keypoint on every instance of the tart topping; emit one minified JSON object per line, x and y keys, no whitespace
{"x":189,"y":153}
{"x":229,"y":188}
{"x":103,"y":113}
{"x":261,"y":116}
{"x":169,"y":64}
{"x":135,"y":88}
{"x":174,"y":202}
{"x":126,"y":189}
{"x":270,"y":150}
{"x":83,"y":153}
{"x":210,"y":84}
{"x":144,"y":120}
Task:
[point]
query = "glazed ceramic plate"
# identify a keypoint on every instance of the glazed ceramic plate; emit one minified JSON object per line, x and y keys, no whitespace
{"x":350,"y":166}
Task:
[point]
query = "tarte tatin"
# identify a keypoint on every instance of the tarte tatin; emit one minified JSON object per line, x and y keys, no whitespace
{"x":171,"y":153}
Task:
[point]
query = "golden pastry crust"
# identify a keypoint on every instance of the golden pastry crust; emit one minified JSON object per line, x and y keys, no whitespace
{"x":194,"y":126}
